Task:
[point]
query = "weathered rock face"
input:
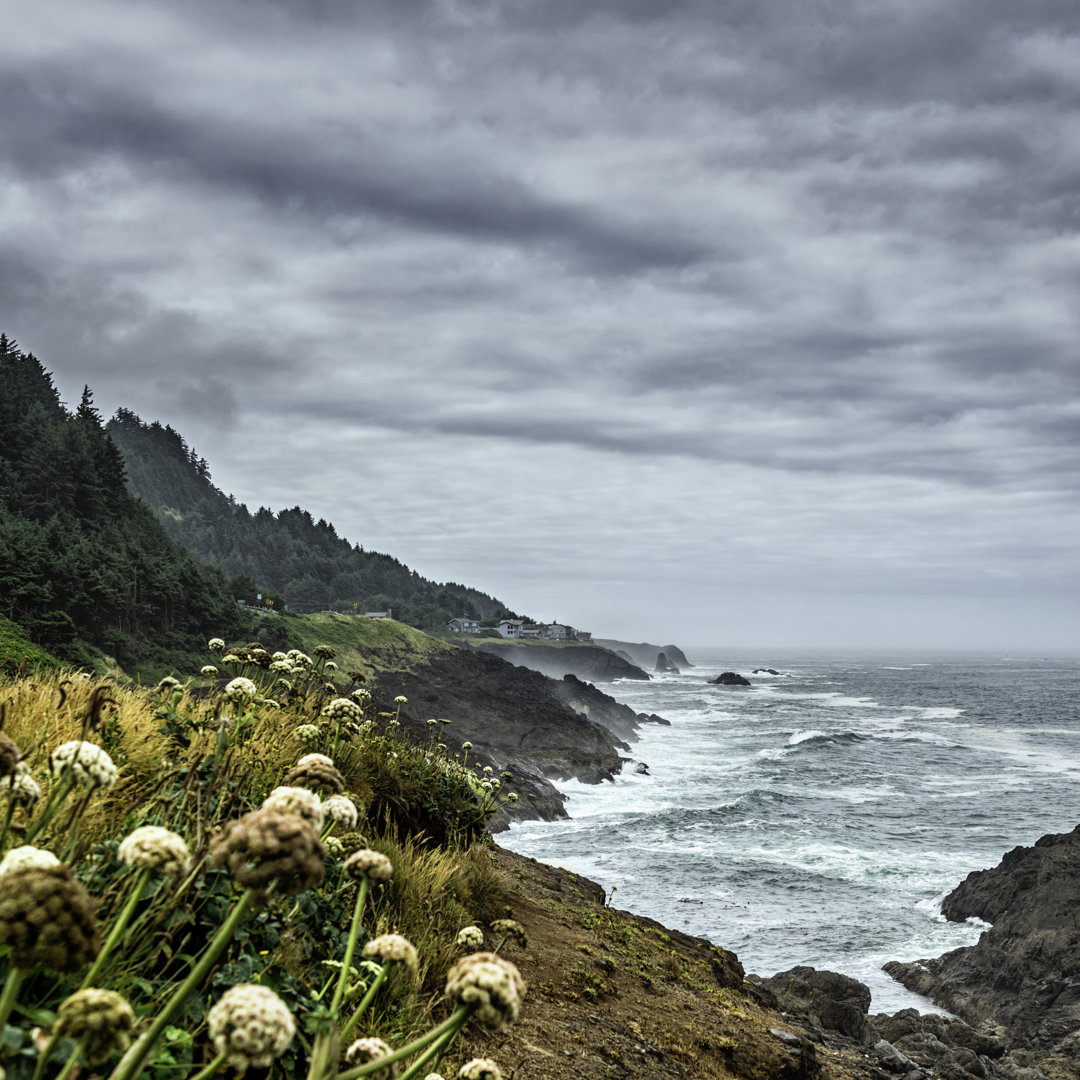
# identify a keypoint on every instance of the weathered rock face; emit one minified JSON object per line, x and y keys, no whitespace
{"x":664,"y":665}
{"x":643,"y":654}
{"x":589,"y":662}
{"x":586,"y":700}
{"x":730,"y":678}
{"x":830,"y":1000}
{"x":1024,"y":972}
{"x":515,"y":721}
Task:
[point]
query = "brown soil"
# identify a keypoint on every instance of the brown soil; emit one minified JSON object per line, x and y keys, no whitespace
{"x":615,"y":995}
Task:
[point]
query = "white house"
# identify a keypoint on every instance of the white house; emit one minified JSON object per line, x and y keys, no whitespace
{"x":464,"y":626}
{"x":379,"y":614}
{"x":511,"y":627}
{"x":556,"y":632}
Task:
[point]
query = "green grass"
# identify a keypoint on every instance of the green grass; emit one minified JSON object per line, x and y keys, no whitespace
{"x":19,"y":655}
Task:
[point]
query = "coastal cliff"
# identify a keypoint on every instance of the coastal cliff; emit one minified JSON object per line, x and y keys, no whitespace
{"x":588,"y":662}
{"x":517,"y":720}
{"x":1023,"y":975}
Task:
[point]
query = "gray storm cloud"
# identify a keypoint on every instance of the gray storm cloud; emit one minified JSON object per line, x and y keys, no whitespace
{"x":747,"y":312}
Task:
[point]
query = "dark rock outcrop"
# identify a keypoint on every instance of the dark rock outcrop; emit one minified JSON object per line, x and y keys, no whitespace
{"x":586,"y":700}
{"x":730,"y":678}
{"x":765,"y":671}
{"x":643,"y":654}
{"x":589,"y":662}
{"x":665,"y":666}
{"x":1023,"y":975}
{"x":830,"y":1000}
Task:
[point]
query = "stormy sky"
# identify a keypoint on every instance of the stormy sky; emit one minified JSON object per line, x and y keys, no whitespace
{"x":720,"y":322}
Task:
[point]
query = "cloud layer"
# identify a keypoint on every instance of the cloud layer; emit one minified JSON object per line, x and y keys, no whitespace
{"x":729,"y":322}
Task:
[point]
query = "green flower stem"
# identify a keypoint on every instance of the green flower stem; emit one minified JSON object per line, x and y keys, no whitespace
{"x":430,"y":1056}
{"x":71,"y":1061}
{"x":118,"y":927}
{"x":10,"y":993}
{"x":7,"y":818}
{"x":365,"y":1002}
{"x":453,"y":1023}
{"x":132,"y":1061}
{"x":57,"y":793}
{"x":43,"y":1057}
{"x":72,"y":828}
{"x":350,"y":948}
{"x":204,"y":1074}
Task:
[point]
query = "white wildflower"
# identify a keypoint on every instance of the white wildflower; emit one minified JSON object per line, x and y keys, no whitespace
{"x":491,"y":984}
{"x":208,"y":670}
{"x":240,"y":689}
{"x":479,"y":1069}
{"x":370,"y":864}
{"x":154,"y":848}
{"x":393,"y":948}
{"x":341,"y":810}
{"x":215,"y":644}
{"x":21,"y":857}
{"x":296,"y":800}
{"x":252,"y":1026}
{"x":470,"y":937}
{"x":86,"y":762}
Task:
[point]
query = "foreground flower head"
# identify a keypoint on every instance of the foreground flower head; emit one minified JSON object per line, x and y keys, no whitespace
{"x":21,"y":857}
{"x":470,"y":937}
{"x":369,"y":864}
{"x":20,"y":786}
{"x":341,"y":810}
{"x":316,"y":771}
{"x":208,"y":670}
{"x":296,"y":800}
{"x":154,"y":848}
{"x":364,"y":1050}
{"x":46,"y":916}
{"x":215,"y":644}
{"x":479,"y":1069}
{"x":86,"y":763}
{"x":270,"y":846}
{"x":240,"y":689}
{"x":491,"y":984}
{"x":168,"y":683}
{"x":307,"y":732}
{"x":100,"y":1019}
{"x":343,"y":709}
{"x":251,"y":1025}
{"x":511,"y":928}
{"x":393,"y":949}
{"x":325,"y":651}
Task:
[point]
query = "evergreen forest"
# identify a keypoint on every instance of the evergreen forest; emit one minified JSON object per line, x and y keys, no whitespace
{"x":82,"y":560}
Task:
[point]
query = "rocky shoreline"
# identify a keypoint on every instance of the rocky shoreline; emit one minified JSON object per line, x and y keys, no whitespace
{"x":1015,"y":994}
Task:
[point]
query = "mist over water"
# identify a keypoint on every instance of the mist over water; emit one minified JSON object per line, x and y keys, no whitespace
{"x":819,"y":816}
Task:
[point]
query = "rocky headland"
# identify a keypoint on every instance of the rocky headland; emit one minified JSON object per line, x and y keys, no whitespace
{"x":540,"y":729}
{"x":644,"y":655}
{"x":590,"y":662}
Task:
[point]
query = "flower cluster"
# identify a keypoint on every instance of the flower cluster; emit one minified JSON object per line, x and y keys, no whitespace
{"x":208,"y":670}
{"x":85,"y":762}
{"x":154,"y":848}
{"x":46,"y":917}
{"x":27,"y":855}
{"x":316,"y":771}
{"x":240,"y":689}
{"x":99,"y":1019}
{"x":364,"y":1050}
{"x":297,"y":657}
{"x":307,"y":732}
{"x":470,"y":937}
{"x":479,"y":1069}
{"x":251,"y":1025}
{"x":325,"y":651}
{"x":343,"y":709}
{"x":369,"y":864}
{"x":215,"y":644}
{"x":512,"y":929}
{"x":296,"y":800}
{"x":268,"y":846}
{"x":393,"y":949}
{"x":491,"y":984}
{"x":168,"y":683}
{"x":341,"y":811}
{"x":20,"y":786}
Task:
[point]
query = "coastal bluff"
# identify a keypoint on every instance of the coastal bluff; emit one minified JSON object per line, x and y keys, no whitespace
{"x":589,"y":662}
{"x":540,"y":729}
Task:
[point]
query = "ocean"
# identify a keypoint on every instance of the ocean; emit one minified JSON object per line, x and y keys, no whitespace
{"x":819,"y":816}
